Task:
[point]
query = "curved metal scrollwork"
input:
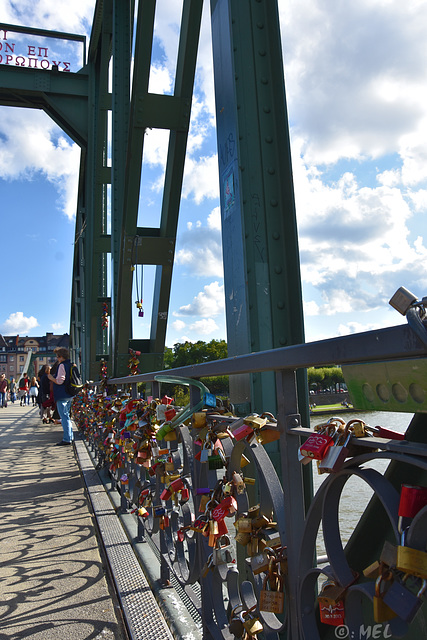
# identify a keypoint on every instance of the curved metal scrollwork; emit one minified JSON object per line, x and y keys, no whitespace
{"x":227,"y":532}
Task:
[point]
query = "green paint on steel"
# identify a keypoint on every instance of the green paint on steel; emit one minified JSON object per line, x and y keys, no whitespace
{"x":388,"y":386}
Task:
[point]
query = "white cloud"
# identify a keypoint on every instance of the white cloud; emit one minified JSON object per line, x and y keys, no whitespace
{"x":204,"y":327}
{"x":207,"y":303}
{"x":18,"y":323}
{"x":56,"y":326}
{"x":178,"y":325}
{"x":201,"y":178}
{"x":200,"y":249}
{"x":32,"y":145}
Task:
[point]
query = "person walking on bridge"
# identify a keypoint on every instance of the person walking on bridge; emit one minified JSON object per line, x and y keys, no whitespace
{"x":3,"y":391}
{"x":62,"y":398}
{"x":23,"y":390}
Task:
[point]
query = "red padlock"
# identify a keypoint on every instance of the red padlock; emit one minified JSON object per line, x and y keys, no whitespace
{"x":169,"y":414}
{"x":165,"y":495}
{"x":226,"y":507}
{"x":412,"y":499}
{"x":242,"y":432}
{"x":185,"y":494}
{"x":332,"y":614}
{"x":316,"y":445}
{"x":176,"y":485}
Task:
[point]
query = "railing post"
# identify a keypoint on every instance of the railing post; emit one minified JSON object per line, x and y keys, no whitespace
{"x":293,"y":488}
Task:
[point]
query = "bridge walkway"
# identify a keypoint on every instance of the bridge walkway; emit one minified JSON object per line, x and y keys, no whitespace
{"x":56,"y":578}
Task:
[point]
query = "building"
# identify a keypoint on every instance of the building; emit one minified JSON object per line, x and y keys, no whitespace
{"x":14,"y":351}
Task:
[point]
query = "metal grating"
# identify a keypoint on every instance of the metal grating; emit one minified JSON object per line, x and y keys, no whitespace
{"x":142,"y":613}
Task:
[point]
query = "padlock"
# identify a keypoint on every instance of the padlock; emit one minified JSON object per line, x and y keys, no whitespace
{"x":235,"y":626}
{"x":185,"y":494}
{"x":255,"y":421}
{"x":238,"y":482}
{"x":332,"y":614}
{"x":388,"y":555}
{"x":204,"y":500}
{"x":198,"y":420}
{"x":215,"y":462}
{"x":410,"y":560}
{"x":242,"y":537}
{"x":330,"y":593}
{"x":382,"y":613}
{"x":222,"y":551}
{"x":402,"y":601}
{"x":358,"y":428}
{"x":316,"y":445}
{"x":272,"y":601}
{"x":336,"y":454}
{"x":243,"y":525}
{"x":304,"y":459}
{"x":260,"y":562}
{"x":382,"y":432}
{"x":206,"y":451}
{"x":244,"y":431}
{"x":252,"y":624}
{"x":412,"y":499}
{"x":166,"y":494}
{"x":226,"y":507}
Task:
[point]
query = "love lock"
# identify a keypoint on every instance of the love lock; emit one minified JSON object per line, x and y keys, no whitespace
{"x":222,"y":551}
{"x":336,"y":454}
{"x":411,"y":561}
{"x":402,"y":601}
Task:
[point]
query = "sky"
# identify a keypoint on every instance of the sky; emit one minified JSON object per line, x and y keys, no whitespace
{"x":356,"y":87}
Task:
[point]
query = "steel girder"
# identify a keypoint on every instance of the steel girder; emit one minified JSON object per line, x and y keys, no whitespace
{"x":259,"y":234}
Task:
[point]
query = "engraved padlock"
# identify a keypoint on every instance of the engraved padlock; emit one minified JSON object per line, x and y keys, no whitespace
{"x":411,"y":561}
{"x":317,"y":444}
{"x":272,"y":600}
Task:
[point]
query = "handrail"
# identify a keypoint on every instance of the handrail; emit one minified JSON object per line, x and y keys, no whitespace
{"x":390,"y":343}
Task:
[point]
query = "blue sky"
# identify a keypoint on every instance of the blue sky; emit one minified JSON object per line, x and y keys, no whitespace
{"x":356,"y":80}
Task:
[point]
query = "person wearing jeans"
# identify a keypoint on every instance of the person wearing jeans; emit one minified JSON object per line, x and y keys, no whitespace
{"x":62,"y":398}
{"x":3,"y":391}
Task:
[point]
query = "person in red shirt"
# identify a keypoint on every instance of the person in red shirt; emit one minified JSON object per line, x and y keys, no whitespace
{"x":24,"y":398}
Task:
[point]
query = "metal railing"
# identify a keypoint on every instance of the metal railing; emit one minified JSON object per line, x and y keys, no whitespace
{"x":230,"y":585}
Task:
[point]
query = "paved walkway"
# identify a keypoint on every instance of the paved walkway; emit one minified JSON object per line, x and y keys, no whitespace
{"x":52,"y":579}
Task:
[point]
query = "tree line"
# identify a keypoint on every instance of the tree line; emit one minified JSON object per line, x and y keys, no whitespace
{"x":183,"y":354}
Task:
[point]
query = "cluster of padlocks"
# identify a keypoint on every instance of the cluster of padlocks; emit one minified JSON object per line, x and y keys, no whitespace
{"x":182,"y":472}
{"x":330,"y":443}
{"x":399,"y":575}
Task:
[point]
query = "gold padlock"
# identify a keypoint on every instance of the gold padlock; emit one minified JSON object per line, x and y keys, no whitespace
{"x":412,"y":561}
{"x":272,"y":601}
{"x":252,"y":625}
{"x":199,"y":420}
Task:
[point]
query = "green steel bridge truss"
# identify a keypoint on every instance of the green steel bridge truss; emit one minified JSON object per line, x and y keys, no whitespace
{"x":260,"y":247}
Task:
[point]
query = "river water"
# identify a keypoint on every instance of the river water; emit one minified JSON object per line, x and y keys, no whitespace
{"x":356,"y":493}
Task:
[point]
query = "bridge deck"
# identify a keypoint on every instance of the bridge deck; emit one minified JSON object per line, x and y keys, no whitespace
{"x":54,"y":577}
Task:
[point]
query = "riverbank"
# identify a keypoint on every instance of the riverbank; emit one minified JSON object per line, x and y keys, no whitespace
{"x":325,"y":409}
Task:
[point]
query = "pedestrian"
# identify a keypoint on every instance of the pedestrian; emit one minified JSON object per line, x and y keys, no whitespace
{"x":34,"y":391}
{"x":23,"y":390}
{"x":46,"y":395}
{"x":62,"y":398}
{"x":12,"y":390}
{"x":3,"y":391}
